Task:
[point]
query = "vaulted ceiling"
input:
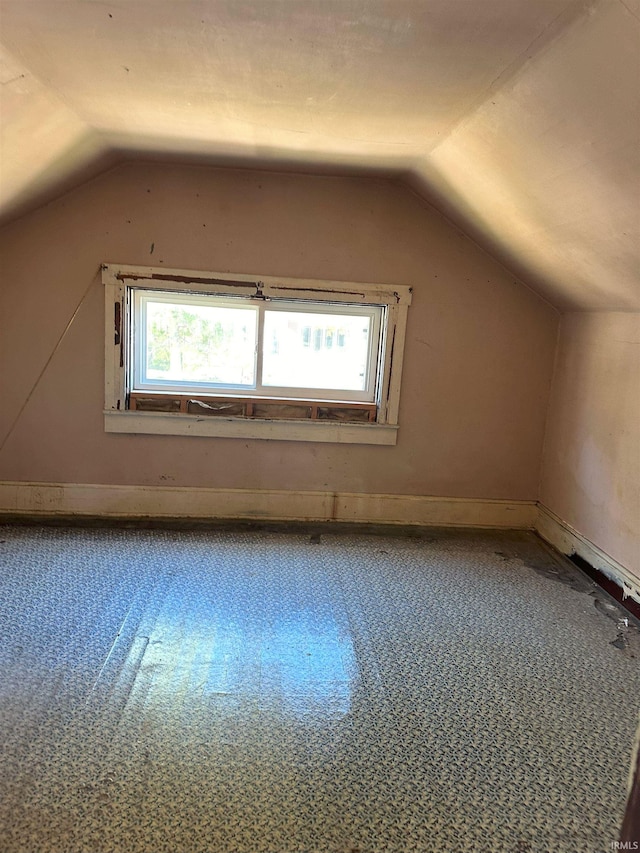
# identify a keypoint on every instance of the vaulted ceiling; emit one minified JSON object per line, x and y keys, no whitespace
{"x":518,"y":119}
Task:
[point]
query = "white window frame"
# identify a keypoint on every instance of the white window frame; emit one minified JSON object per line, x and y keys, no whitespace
{"x":140,"y":382}
{"x":121,"y":281}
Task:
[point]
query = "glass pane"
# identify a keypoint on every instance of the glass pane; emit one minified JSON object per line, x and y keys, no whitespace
{"x":309,"y":350}
{"x":200,"y":343}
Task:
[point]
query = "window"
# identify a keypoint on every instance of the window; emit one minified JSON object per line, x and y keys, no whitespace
{"x":203,"y":343}
{"x":216,"y":354}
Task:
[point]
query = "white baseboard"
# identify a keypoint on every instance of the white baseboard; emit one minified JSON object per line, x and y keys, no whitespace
{"x":88,"y":500}
{"x":71,"y":499}
{"x":569,"y":541}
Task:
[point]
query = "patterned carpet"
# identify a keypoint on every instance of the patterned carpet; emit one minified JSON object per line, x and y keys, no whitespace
{"x":299,"y":691}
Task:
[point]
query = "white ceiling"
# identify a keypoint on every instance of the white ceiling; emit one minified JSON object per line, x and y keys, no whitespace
{"x":519,"y":119}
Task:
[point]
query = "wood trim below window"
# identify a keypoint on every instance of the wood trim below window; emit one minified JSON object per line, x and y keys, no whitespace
{"x":252,"y":407}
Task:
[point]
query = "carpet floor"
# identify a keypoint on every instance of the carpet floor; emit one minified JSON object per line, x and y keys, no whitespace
{"x":268,"y":690}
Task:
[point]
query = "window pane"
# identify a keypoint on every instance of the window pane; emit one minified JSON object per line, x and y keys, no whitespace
{"x":299,"y":350}
{"x":200,"y":343}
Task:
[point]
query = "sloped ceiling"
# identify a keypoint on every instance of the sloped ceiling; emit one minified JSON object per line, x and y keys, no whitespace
{"x":519,"y":119}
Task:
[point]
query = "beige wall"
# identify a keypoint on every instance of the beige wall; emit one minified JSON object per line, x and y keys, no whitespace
{"x":591,"y":470}
{"x":479,"y":350}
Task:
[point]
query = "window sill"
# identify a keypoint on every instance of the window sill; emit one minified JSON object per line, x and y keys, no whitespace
{"x":160,"y":423}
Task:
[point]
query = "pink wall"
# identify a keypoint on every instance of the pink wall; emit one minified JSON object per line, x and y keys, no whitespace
{"x":591,"y":471}
{"x":479,"y":350}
